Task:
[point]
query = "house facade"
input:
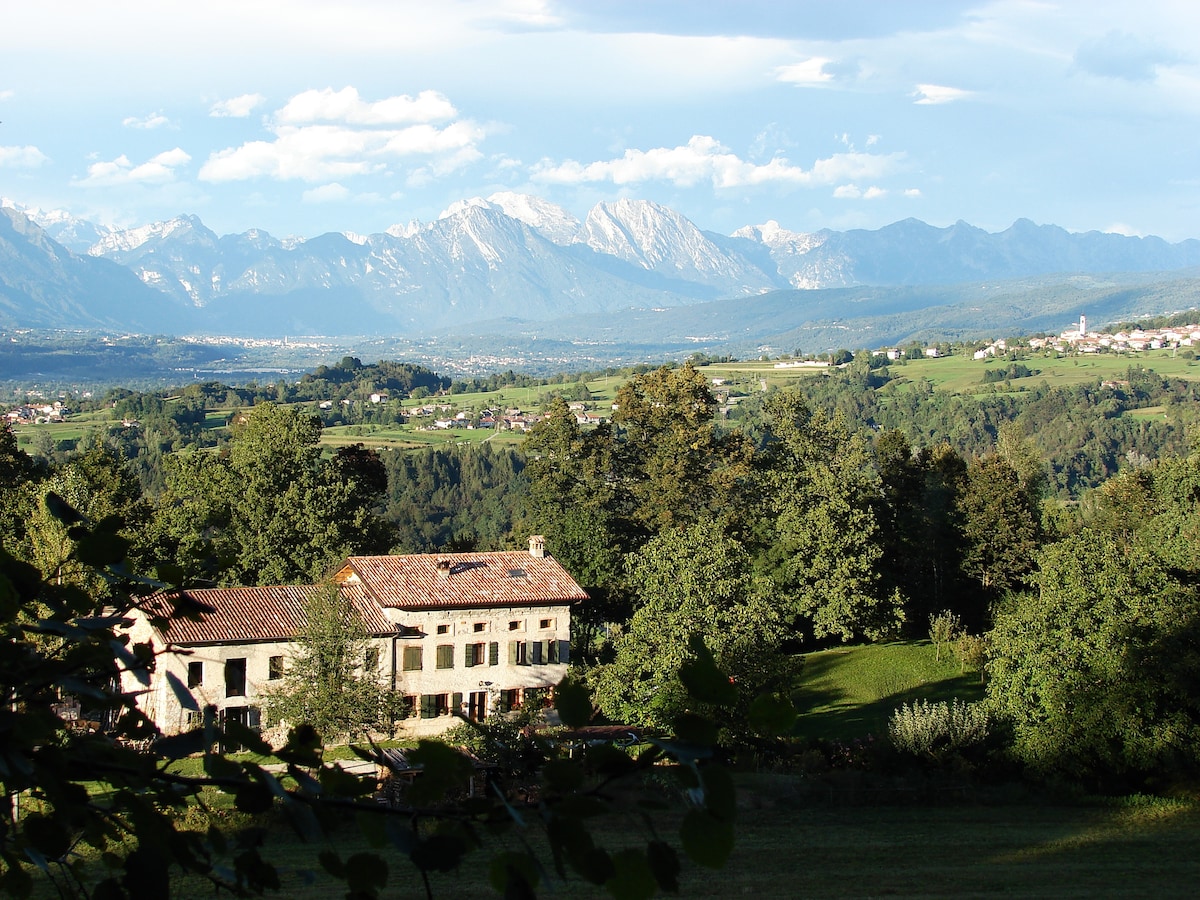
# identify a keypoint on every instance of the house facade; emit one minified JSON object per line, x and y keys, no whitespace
{"x":474,"y":633}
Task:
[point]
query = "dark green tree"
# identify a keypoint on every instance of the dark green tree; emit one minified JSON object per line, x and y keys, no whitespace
{"x":333,"y":681}
{"x":820,"y":492}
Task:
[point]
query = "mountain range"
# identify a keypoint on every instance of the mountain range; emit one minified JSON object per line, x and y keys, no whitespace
{"x":514,"y":263}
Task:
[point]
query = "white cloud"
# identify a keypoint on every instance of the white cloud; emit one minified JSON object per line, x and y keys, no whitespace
{"x":912,"y":192}
{"x":238,"y":107}
{"x":853,"y":192}
{"x":27,"y":157}
{"x":159,"y":169}
{"x":346,"y":106}
{"x":704,"y":159}
{"x":154,"y":120}
{"x":1122,"y":229}
{"x":7,"y":94}
{"x":326,"y":193}
{"x":933,"y":94}
{"x":810,"y":71}
{"x":325,"y":135}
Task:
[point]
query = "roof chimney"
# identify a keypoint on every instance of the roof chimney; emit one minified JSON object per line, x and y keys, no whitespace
{"x":443,"y":568}
{"x":537,"y":546}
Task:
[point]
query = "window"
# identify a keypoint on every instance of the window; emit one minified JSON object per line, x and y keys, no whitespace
{"x":435,"y":705}
{"x":412,"y":659}
{"x":479,"y":626}
{"x":537,"y":652}
{"x":510,"y":699}
{"x":195,"y":674}
{"x":445,"y":656}
{"x":545,"y":623}
{"x":274,"y":668}
{"x":371,"y":660}
{"x":235,"y":677}
{"x":475,"y":655}
{"x":494,"y":653}
{"x":477,"y":706}
{"x":412,"y":706}
{"x":516,"y":625}
{"x":517,"y":653}
{"x":443,"y":629}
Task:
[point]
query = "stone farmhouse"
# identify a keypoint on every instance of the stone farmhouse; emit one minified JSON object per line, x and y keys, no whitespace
{"x":475,"y":633}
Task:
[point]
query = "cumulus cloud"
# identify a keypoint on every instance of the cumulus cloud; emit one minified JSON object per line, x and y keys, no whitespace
{"x":326,"y":193}
{"x":704,"y":159}
{"x":933,"y":94}
{"x":329,"y":135}
{"x":347,"y":106}
{"x":154,"y":120}
{"x":853,"y":192}
{"x":1125,"y":56}
{"x":160,"y":169}
{"x":810,"y":71}
{"x":27,"y":157}
{"x":912,"y":192}
{"x":238,"y":107}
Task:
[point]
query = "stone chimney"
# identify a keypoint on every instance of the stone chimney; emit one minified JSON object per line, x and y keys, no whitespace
{"x":443,"y":568}
{"x":537,"y":546}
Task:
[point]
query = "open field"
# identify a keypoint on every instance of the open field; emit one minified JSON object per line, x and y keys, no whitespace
{"x":786,"y":847}
{"x":850,"y":692}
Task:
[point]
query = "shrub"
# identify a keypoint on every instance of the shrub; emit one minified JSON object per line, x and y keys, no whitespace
{"x":938,"y":729}
{"x":942,"y":628}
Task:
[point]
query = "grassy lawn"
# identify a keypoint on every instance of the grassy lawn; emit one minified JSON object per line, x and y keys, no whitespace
{"x":786,"y":847}
{"x":850,"y":692}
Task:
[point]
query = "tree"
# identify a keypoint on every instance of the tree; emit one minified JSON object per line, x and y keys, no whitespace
{"x":819,"y":491}
{"x":1001,"y":526}
{"x":670,"y":465}
{"x":332,"y":682}
{"x":688,"y":581}
{"x":273,"y":510}
{"x":1096,"y":669}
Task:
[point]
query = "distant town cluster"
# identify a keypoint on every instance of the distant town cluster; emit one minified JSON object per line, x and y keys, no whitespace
{"x":1080,"y":340}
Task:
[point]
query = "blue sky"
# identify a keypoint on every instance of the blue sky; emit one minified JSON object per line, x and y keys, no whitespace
{"x":305,"y":117}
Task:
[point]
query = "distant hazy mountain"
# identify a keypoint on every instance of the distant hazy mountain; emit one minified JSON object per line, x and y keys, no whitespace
{"x":45,"y":285}
{"x":508,"y":258}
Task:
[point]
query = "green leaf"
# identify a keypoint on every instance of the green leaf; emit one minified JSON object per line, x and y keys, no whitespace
{"x":443,"y":769}
{"x":61,"y":509}
{"x":46,"y":834}
{"x":693,"y":729}
{"x":573,"y":702}
{"x":252,"y":798}
{"x":720,"y":795}
{"x":664,"y":863}
{"x":703,"y":680}
{"x":146,"y":875}
{"x":331,"y":863}
{"x":514,"y":875}
{"x":633,"y":878}
{"x":366,"y":873}
{"x":439,"y":853}
{"x":101,"y":548}
{"x":181,"y":692}
{"x":706,"y":839}
{"x":772,"y":714}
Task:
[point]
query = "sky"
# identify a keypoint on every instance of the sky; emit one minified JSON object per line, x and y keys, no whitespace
{"x":306,"y":116}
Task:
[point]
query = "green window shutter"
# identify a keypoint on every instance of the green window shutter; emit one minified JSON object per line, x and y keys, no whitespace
{"x":552,"y":651}
{"x":445,"y":656}
{"x":427,"y":706}
{"x":494,"y":653}
{"x":512,"y":652}
{"x":470,"y":656}
{"x":412,"y":659}
{"x":455,"y":703}
{"x":538,"y":658}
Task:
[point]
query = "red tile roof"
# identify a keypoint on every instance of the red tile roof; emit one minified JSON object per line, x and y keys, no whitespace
{"x":468,"y":580}
{"x":261,"y":614}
